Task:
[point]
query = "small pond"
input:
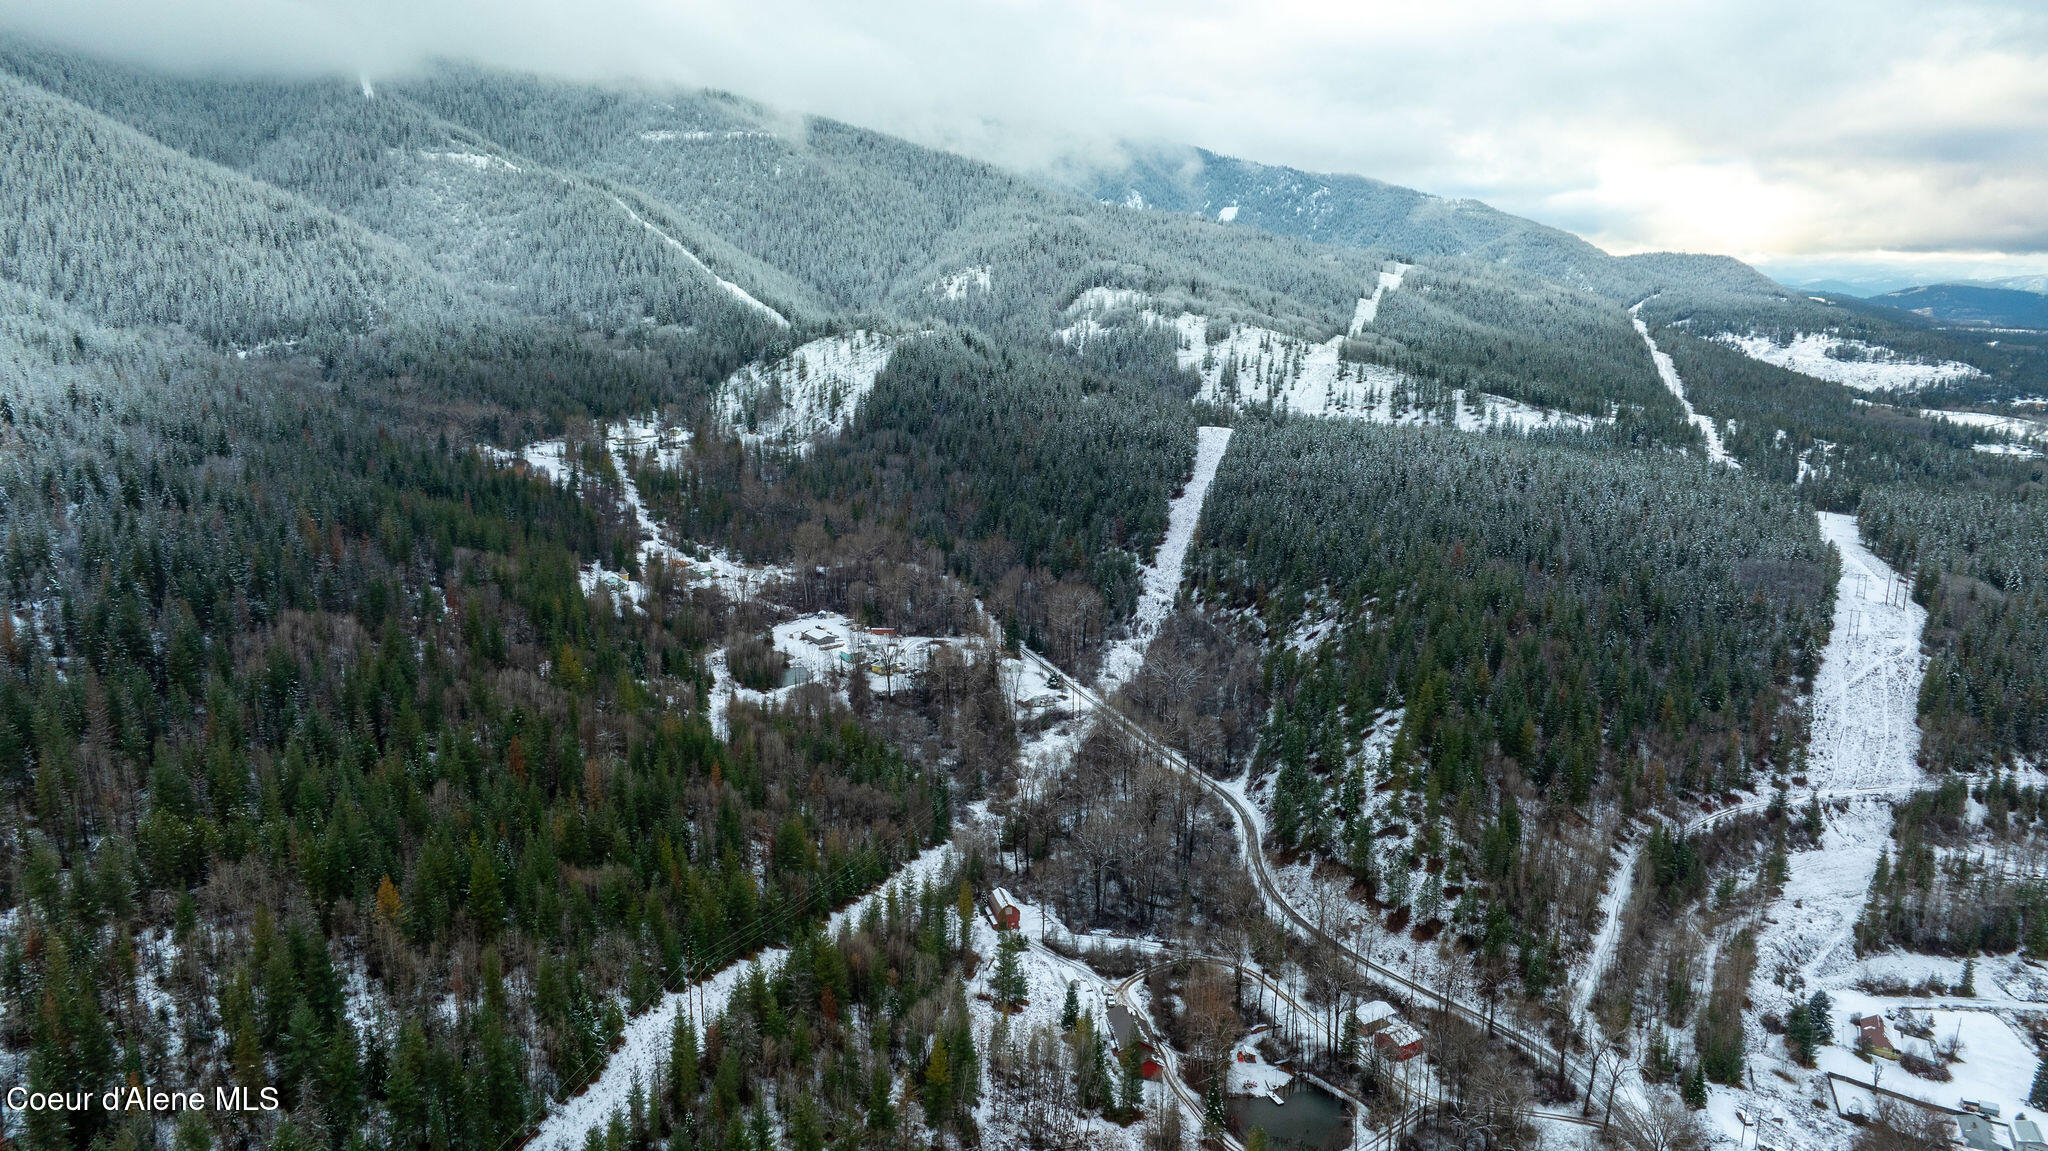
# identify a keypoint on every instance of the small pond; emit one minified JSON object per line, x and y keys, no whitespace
{"x":1311,"y":1119}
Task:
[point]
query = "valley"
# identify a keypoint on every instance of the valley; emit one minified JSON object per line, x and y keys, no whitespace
{"x":599,"y":617}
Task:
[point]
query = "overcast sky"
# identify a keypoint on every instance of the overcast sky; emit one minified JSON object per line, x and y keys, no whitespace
{"x":1822,"y":136}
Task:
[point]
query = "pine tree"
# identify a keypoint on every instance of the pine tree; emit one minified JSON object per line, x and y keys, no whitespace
{"x":805,"y":1132}
{"x":1799,"y":1041}
{"x":1695,"y":1090}
{"x":1820,"y":1014}
{"x":1070,"y":1011}
{"x":2038,"y":1095}
{"x":1008,"y":980}
{"x":682,"y":1065}
{"x":1968,"y":986}
{"x":938,"y":1085}
{"x":1131,"y":1064}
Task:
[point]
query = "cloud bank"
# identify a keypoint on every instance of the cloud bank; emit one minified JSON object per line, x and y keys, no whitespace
{"x":1822,"y":133}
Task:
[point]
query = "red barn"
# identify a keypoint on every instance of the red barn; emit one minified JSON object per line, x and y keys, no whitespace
{"x":1398,"y":1041}
{"x":1003,"y":910}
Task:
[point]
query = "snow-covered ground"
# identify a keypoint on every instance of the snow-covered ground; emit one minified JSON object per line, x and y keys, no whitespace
{"x":964,"y":283}
{"x":2017,"y":427}
{"x":1369,"y":306}
{"x":1668,"y":372}
{"x":1864,"y":738}
{"x":1883,"y":370}
{"x":1122,"y":659}
{"x":1863,"y":744}
{"x":812,"y":391}
{"x":2006,"y":450}
{"x":1250,"y":366}
{"x":1620,"y":881}
{"x":646,"y":1041}
{"x":474,"y":160}
{"x":626,"y":443}
{"x":731,"y":289}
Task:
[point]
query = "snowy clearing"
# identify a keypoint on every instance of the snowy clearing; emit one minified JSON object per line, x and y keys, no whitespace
{"x":813,"y":391}
{"x":965,"y":282}
{"x":1249,"y":366}
{"x":1871,"y":368}
{"x":475,"y":161}
{"x":1865,"y":738}
{"x":1668,"y":372}
{"x":644,"y":1047}
{"x":1122,"y":659}
{"x":1369,"y":306}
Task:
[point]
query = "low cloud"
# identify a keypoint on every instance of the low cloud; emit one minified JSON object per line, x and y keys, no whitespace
{"x":1766,"y":130}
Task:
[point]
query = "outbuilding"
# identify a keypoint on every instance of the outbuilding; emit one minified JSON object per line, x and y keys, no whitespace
{"x":1003,"y":910}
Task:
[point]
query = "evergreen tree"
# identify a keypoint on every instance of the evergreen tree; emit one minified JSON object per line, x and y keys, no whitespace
{"x":1694,"y":1091}
{"x":1007,"y":982}
{"x":1070,"y":1011}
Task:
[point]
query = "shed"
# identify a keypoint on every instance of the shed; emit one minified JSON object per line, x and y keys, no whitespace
{"x":1003,"y":910}
{"x":2026,"y":1135}
{"x":1398,"y":1041}
{"x":1870,"y":1029}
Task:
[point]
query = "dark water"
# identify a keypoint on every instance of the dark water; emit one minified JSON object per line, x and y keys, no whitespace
{"x":1312,"y":1119}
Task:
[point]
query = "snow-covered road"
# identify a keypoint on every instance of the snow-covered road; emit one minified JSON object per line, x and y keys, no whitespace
{"x":1162,"y":580}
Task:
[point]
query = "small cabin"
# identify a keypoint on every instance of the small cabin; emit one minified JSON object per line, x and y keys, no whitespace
{"x":817,"y":636}
{"x":1870,"y":1030}
{"x":1375,"y":1015}
{"x":1003,"y":910}
{"x":1398,"y":1041}
{"x":1978,"y":1133}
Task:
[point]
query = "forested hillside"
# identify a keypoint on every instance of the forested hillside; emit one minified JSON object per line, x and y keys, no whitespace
{"x":137,"y":234}
{"x":1556,"y":628}
{"x":292,"y":696}
{"x":485,"y":553}
{"x":1359,"y":212}
{"x":1980,"y":566}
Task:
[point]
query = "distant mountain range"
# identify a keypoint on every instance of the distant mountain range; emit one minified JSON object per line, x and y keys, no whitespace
{"x":1360,"y":212}
{"x":1973,"y":304}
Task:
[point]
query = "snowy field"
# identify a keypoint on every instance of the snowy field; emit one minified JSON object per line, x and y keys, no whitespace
{"x":1863,"y":746}
{"x":813,"y":391}
{"x":1883,"y":370}
{"x":1864,"y":740}
{"x":1122,"y":659}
